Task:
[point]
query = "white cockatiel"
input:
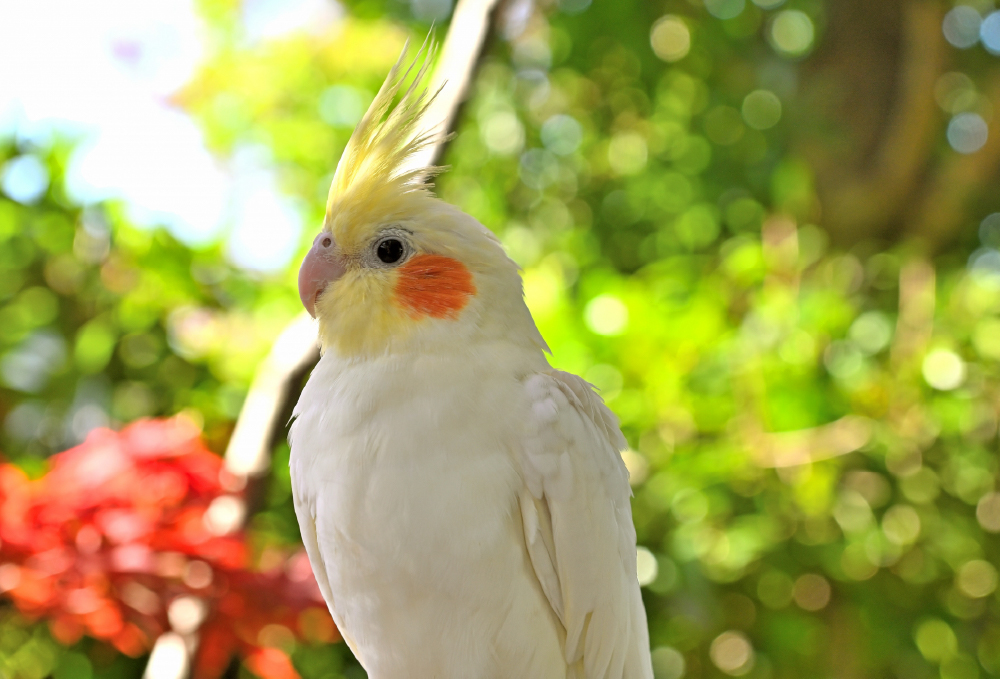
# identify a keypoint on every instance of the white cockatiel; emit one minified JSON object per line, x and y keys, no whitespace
{"x":464,"y":506}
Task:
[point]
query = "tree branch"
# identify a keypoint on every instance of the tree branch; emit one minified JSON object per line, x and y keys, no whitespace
{"x":943,"y":209}
{"x":868,"y":202}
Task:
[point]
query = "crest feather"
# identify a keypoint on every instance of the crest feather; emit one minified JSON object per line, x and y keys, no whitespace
{"x":388,"y":136}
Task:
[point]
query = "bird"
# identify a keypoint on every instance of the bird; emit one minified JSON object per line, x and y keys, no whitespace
{"x":464,"y":506}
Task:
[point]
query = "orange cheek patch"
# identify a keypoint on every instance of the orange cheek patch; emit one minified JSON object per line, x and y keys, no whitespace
{"x":435,"y":286}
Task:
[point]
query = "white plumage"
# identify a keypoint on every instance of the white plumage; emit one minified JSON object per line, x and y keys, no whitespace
{"x":464,"y":506}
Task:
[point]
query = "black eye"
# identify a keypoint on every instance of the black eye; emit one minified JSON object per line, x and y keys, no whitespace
{"x":390,"y":250}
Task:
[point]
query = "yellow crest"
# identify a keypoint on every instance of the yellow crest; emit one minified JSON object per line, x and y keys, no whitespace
{"x":376,"y":168}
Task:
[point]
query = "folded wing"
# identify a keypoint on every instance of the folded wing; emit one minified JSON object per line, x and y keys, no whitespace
{"x":578,"y":527}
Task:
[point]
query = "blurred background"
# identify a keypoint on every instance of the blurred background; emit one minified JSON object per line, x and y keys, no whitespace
{"x":767,"y":230}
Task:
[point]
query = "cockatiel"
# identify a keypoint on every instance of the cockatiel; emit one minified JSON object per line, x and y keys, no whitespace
{"x":464,"y":506}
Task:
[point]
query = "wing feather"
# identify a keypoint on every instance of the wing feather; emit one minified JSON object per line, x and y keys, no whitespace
{"x":307,"y":526}
{"x":578,"y":526}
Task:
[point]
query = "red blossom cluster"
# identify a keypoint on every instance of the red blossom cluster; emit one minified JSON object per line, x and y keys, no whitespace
{"x":133,"y":533}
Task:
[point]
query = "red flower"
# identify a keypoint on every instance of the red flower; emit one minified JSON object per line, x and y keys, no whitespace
{"x":271,"y":663}
{"x":125,"y":525}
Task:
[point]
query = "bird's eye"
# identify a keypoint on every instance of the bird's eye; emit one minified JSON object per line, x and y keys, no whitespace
{"x":390,"y":250}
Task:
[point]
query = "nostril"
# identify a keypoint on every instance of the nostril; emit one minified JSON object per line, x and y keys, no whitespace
{"x":327,"y":242}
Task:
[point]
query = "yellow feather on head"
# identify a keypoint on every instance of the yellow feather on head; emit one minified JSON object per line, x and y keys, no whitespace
{"x":376,"y":173}
{"x":456,"y":267}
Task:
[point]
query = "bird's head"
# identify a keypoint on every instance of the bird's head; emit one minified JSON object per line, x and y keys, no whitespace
{"x":395,"y":268}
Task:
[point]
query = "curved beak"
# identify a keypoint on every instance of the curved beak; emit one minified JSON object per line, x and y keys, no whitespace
{"x":321,"y":267}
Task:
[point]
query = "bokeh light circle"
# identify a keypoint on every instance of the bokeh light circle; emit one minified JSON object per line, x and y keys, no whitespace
{"x":668,"y":663}
{"x":670,"y":38}
{"x":645,"y":566}
{"x":976,"y":578}
{"x":935,"y":639}
{"x":989,"y":33}
{"x":984,"y":263}
{"x":901,"y":524}
{"x":761,"y":109}
{"x":989,"y":231}
{"x":431,"y":10}
{"x":811,"y":592}
{"x":961,"y":26}
{"x":968,"y":132}
{"x":538,"y":168}
{"x":955,"y":93}
{"x":732,"y":653}
{"x":792,"y":33}
{"x":561,"y":134}
{"x":944,"y":369}
{"x":503,"y":133}
{"x":627,"y":153}
{"x":606,"y":315}
{"x":24,"y":179}
{"x":871,"y":332}
{"x":725,"y":9}
{"x":574,"y":6}
{"x":988,"y":512}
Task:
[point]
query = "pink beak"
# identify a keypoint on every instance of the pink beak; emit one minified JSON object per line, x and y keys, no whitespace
{"x":321,"y":267}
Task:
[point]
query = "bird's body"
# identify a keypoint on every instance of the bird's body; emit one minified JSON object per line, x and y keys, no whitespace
{"x":417,"y":516}
{"x":464,"y":506}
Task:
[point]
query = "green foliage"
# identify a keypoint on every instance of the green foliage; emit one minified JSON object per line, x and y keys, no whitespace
{"x":102,"y":322}
{"x":813,"y":427}
{"x":28,"y":651}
